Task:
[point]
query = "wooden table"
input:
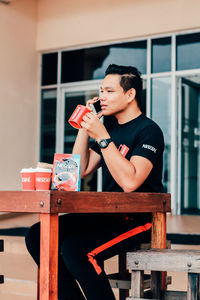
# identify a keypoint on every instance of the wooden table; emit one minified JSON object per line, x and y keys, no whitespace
{"x":50,"y":203}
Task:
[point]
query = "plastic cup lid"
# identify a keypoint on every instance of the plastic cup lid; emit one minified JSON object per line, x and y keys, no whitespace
{"x":27,"y":170}
{"x":43,"y":170}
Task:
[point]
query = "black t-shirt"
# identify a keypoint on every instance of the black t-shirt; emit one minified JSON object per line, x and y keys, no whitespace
{"x":144,"y":138}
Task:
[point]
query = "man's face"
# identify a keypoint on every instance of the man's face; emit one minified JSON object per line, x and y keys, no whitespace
{"x":113,"y":98}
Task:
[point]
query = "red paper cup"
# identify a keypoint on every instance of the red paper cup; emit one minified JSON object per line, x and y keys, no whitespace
{"x":28,"y":179}
{"x":42,"y":179}
{"x":77,"y":116}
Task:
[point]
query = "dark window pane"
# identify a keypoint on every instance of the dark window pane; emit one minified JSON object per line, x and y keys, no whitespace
{"x":48,"y":126}
{"x":161,"y":55}
{"x":188,"y":51}
{"x":49,"y":68}
{"x":72,"y":66}
{"x":91,"y":63}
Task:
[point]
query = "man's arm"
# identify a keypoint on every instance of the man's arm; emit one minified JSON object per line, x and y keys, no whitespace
{"x":130,"y":175}
{"x":90,"y":160}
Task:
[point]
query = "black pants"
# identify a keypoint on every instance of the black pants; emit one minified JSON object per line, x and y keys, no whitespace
{"x":79,"y":234}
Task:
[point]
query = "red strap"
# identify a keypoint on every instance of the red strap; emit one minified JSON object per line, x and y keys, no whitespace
{"x":114,"y":241}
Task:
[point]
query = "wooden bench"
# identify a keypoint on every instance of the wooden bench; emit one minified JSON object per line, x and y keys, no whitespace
{"x":156,"y":260}
{"x":122,"y":279}
{"x":1,"y":250}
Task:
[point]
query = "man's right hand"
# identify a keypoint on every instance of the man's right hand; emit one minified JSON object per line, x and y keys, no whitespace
{"x":92,"y":101}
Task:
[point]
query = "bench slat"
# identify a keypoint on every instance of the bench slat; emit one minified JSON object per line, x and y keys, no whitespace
{"x":165,"y":260}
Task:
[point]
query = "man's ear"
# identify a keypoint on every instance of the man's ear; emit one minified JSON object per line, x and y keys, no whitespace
{"x":131,"y":94}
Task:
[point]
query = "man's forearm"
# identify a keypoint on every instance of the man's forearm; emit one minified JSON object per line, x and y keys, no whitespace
{"x":81,"y":146}
{"x":128,"y":174}
{"x":120,"y":168}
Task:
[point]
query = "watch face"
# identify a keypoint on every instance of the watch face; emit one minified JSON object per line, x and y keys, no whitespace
{"x":104,"y":143}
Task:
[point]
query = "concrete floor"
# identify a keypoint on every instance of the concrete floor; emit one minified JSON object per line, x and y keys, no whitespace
{"x":175,"y":224}
{"x":183,"y":224}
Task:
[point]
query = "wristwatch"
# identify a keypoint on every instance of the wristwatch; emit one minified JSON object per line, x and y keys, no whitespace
{"x":104,"y":143}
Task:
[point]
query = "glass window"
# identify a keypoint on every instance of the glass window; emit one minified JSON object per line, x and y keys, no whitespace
{"x":190,"y":145}
{"x":49,"y":68}
{"x":188,"y":51}
{"x":48,"y":125}
{"x":91,"y":63}
{"x":72,"y":66}
{"x":161,"y":55}
{"x":144,"y":95}
{"x":127,"y":54}
{"x":161,"y":95}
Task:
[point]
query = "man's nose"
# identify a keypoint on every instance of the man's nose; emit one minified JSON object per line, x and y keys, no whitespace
{"x":102,"y":97}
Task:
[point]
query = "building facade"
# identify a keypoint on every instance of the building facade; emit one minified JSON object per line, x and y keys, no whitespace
{"x":69,"y":44}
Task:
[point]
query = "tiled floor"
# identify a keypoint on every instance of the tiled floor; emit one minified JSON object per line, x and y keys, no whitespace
{"x":183,"y":224}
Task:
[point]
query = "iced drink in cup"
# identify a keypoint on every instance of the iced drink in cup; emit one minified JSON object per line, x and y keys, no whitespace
{"x":42,"y":179}
{"x":28,"y":179}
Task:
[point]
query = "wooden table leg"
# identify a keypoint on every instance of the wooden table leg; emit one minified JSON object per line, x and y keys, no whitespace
{"x":48,"y":256}
{"x":158,"y":240}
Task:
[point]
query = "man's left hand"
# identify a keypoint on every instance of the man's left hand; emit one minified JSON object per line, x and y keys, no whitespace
{"x":94,"y":127}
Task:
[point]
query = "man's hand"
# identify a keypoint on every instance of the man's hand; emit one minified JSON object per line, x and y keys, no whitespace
{"x":94,"y":127}
{"x":92,"y":124}
{"x":92,"y":101}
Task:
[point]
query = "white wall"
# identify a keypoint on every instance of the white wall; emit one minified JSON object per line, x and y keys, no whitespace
{"x":66,"y":23}
{"x":18,"y":91}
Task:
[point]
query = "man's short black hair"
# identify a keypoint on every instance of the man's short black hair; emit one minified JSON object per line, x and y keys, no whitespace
{"x":130,"y":78}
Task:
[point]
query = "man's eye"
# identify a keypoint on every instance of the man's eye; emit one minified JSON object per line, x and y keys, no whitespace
{"x":109,"y":91}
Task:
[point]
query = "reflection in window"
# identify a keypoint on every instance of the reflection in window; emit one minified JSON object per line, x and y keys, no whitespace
{"x":188,"y":51}
{"x":127,"y":54}
{"x":161,"y":95}
{"x":48,"y":125}
{"x":49,"y":68}
{"x":161,"y":55}
{"x":91,"y":63}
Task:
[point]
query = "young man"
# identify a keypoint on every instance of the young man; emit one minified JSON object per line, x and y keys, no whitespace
{"x":86,"y":240}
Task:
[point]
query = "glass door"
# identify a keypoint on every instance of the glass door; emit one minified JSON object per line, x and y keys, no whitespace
{"x":189,"y":145}
{"x":70,"y":98}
